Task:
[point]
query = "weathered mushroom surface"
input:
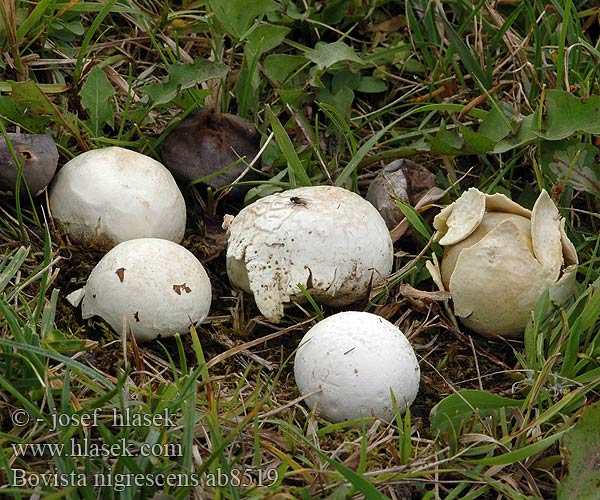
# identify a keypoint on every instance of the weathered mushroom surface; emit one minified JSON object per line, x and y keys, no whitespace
{"x":40,"y":158}
{"x":499,"y":258}
{"x":208,"y":141}
{"x":402,"y":180}
{"x":109,"y":195}
{"x":324,"y":238}
{"x":150,"y":286}
{"x":349,"y":365}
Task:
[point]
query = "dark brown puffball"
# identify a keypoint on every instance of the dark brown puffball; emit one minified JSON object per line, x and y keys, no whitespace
{"x":401,"y":179}
{"x":40,"y":156}
{"x":208,"y":141}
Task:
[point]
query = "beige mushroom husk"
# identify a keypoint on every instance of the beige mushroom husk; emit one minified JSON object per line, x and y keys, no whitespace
{"x":499,"y":258}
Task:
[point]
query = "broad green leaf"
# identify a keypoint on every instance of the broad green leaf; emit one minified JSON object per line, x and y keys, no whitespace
{"x":573,"y":162}
{"x":371,"y":85}
{"x":344,"y":77}
{"x":460,"y":141}
{"x":495,"y":126}
{"x":526,"y":134}
{"x":293,"y":97}
{"x":563,"y":116}
{"x":341,"y":100}
{"x":581,"y":451}
{"x":18,"y":112}
{"x":96,"y":93}
{"x":475,"y":142}
{"x":453,"y":413}
{"x":266,"y":37}
{"x":325,"y":55}
{"x":236,"y":16}
{"x":29,"y":93}
{"x":183,"y":76}
{"x":280,"y":66}
{"x":334,"y":12}
{"x":567,"y":114}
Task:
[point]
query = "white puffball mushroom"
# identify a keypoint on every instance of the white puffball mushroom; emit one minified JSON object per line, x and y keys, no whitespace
{"x":349,"y":365}
{"x":327,"y":239}
{"x":499,"y":258}
{"x":154,"y":286}
{"x":109,"y":195}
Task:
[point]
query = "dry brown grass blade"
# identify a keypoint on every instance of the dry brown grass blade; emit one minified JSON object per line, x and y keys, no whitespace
{"x":247,"y":345}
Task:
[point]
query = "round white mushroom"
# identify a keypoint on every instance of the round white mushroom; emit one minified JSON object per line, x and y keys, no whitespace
{"x":153,"y":287}
{"x":326,"y":239}
{"x":109,"y":195}
{"x":349,"y":365}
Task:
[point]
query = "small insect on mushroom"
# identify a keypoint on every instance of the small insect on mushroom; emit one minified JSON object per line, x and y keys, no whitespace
{"x":296,"y":200}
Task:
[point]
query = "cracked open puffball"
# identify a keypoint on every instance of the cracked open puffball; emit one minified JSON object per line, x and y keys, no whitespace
{"x":109,"y":195}
{"x":153,"y":287}
{"x":349,"y":365}
{"x":326,"y":239}
{"x":499,"y":258}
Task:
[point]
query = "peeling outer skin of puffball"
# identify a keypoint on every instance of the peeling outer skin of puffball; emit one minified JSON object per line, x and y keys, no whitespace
{"x":564,"y":287}
{"x":434,"y":270}
{"x":227,"y":221}
{"x":546,"y":235}
{"x":569,"y":252}
{"x":462,"y":217}
{"x":266,"y":289}
{"x":75,"y":297}
{"x":498,"y":202}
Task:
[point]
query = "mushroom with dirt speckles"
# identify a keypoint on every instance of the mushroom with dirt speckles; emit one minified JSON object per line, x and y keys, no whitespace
{"x":325,"y":239}
{"x":152,"y":286}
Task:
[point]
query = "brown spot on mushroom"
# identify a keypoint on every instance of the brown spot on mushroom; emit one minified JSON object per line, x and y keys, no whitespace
{"x":136,"y":316}
{"x":183,"y":287}
{"x":120,"y":273}
{"x":26,"y":154}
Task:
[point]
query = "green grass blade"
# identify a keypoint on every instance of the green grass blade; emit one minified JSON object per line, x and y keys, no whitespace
{"x":466,"y":55}
{"x":296,"y":171}
{"x":71,"y":363}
